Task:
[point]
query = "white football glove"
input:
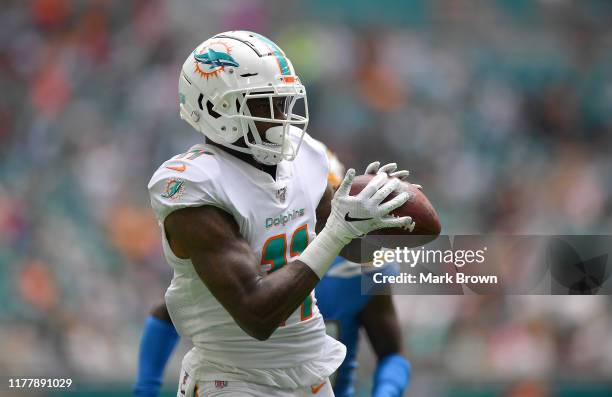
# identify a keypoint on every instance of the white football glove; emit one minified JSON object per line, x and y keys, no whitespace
{"x":355,"y":216}
{"x":390,"y":169}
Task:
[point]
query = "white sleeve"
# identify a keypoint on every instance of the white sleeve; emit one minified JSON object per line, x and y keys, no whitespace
{"x":170,"y":190}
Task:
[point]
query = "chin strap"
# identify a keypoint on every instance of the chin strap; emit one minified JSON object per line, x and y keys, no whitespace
{"x":275,"y":136}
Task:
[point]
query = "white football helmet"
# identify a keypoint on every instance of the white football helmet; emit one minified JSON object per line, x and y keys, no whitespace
{"x":220,"y":77}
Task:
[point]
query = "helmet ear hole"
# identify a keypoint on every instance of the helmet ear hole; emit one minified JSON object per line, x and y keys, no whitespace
{"x":209,"y":107}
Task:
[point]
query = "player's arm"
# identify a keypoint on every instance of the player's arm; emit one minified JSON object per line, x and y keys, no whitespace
{"x":382,"y":327}
{"x":225,"y":262}
{"x":223,"y":259}
{"x":159,"y":338}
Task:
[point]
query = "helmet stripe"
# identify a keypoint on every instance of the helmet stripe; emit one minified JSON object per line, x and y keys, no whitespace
{"x":280,"y":58}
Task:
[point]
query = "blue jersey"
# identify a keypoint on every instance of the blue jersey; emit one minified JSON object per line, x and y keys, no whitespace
{"x":340,"y":300}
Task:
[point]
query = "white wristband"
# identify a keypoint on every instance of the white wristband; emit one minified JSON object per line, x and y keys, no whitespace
{"x":322,"y":251}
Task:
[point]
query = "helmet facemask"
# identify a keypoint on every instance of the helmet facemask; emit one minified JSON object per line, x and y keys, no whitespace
{"x":268,"y":118}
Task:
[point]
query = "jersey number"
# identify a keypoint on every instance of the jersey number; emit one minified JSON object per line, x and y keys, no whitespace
{"x":274,"y":253}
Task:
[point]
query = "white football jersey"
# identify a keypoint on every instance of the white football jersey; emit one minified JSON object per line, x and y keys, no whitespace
{"x":277,"y":218}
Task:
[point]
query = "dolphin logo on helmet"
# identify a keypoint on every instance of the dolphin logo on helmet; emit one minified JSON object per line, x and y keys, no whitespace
{"x":216,"y":59}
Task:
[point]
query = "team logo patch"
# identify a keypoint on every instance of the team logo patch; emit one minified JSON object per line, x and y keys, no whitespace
{"x":175,"y":188}
{"x":212,"y":60}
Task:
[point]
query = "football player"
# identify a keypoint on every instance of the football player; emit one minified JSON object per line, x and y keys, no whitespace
{"x":344,"y":308}
{"x":249,"y":225}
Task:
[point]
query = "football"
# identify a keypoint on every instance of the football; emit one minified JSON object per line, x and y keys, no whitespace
{"x":418,"y":207}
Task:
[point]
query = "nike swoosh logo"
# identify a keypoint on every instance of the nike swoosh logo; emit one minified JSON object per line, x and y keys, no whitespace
{"x":179,"y":168}
{"x":351,"y":219}
{"x":315,"y":389}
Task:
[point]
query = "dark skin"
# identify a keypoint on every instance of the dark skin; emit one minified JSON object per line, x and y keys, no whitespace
{"x":378,"y":318}
{"x":257,"y":302}
{"x":209,"y":237}
{"x":161,"y":313}
{"x":380,"y":321}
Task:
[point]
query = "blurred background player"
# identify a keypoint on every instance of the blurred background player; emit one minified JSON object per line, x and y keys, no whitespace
{"x":345,"y":310}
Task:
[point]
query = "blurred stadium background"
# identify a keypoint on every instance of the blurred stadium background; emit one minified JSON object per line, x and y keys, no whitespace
{"x":501,"y":109}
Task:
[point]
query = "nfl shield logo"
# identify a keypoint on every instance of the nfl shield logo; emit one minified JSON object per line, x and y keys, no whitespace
{"x":281,"y":194}
{"x":220,"y":384}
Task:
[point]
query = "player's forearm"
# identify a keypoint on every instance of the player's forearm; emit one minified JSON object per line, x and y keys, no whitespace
{"x":268,"y":301}
{"x":258,"y":303}
{"x":261,"y":303}
{"x":272,"y":299}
